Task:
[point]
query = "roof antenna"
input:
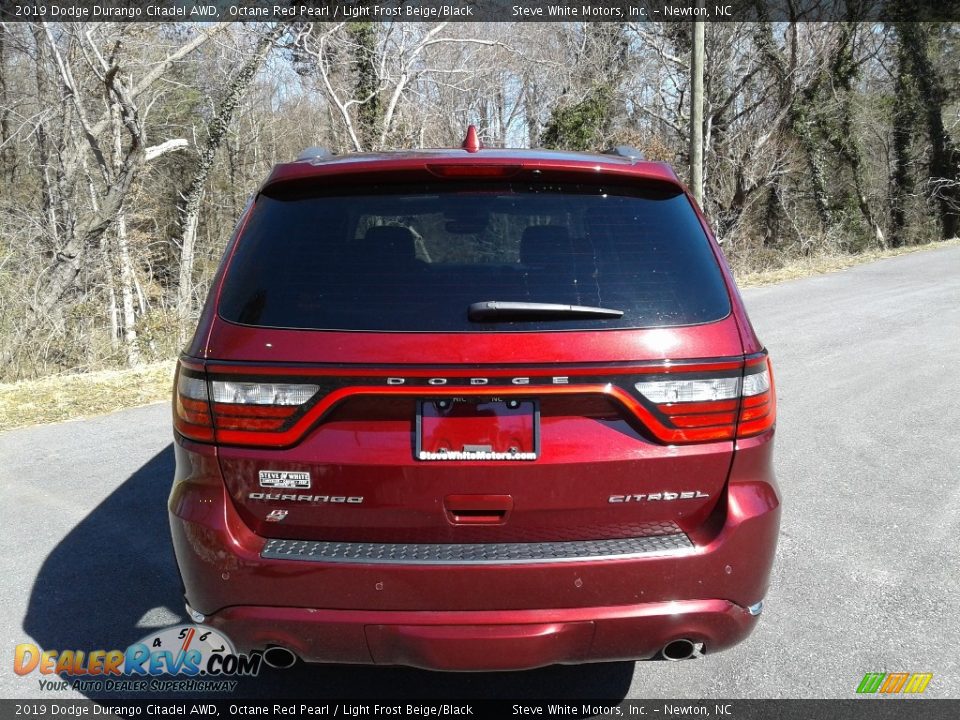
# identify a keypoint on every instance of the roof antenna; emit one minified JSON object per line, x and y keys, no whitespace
{"x":471,"y":143}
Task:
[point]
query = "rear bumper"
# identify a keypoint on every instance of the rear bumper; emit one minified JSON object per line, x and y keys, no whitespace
{"x":486,"y":640}
{"x":484,"y":616}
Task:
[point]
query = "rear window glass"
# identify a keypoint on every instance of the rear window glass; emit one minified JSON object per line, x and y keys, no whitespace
{"x":415,"y":259}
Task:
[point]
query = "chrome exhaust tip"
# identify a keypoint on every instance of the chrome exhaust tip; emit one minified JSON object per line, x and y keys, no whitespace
{"x":279,"y":657}
{"x":681,"y":649}
{"x":195,"y":615}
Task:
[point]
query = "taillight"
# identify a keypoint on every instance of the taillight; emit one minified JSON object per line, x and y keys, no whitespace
{"x":191,"y":403}
{"x":715,"y":408}
{"x":690,"y":402}
{"x":234,"y":411}
{"x":758,"y":408}
{"x":261,"y":407}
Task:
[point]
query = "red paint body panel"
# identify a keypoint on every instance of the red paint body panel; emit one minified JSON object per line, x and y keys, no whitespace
{"x":211,"y":539}
{"x":322,"y":611}
{"x":417,"y":165}
{"x":490,"y":641}
{"x":229,"y":341}
{"x":562,"y":496}
{"x":598,"y":444}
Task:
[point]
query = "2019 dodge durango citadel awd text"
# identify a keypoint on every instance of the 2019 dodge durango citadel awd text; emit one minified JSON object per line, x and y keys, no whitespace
{"x":475,"y":409}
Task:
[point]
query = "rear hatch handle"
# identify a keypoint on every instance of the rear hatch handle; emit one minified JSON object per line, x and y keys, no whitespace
{"x":477,"y":509}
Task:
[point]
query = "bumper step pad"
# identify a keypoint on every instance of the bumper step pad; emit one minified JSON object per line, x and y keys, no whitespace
{"x":474,"y":553}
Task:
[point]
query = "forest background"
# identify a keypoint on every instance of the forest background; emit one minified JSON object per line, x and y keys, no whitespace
{"x":127,"y":151}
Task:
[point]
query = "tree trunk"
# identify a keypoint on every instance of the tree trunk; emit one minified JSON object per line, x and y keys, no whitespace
{"x":50,"y":198}
{"x":112,"y":315}
{"x":67,"y":261}
{"x":129,"y":316}
{"x":7,"y":149}
{"x":904,"y":123}
{"x":696,"y":113}
{"x":113,"y":312}
{"x":944,"y":157}
{"x":799,"y":103}
{"x":842,"y":136}
{"x":364,"y":37}
{"x":814,"y":159}
{"x":190,"y":207}
{"x":773,"y":215}
{"x":531,"y":104}
{"x":127,"y":280}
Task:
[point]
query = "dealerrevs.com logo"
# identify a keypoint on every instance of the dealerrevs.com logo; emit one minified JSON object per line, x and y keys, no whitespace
{"x":203,"y":657}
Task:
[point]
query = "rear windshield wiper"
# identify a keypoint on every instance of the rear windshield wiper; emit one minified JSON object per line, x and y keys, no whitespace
{"x":499,"y":311}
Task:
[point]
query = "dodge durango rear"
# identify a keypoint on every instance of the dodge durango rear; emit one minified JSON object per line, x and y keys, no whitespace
{"x":475,"y":409}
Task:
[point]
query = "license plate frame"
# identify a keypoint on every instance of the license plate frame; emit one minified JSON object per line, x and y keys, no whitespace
{"x":435,"y":424}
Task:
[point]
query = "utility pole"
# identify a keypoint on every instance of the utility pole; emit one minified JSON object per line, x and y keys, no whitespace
{"x":696,"y":111}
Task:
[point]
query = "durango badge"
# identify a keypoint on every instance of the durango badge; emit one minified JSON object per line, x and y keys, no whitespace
{"x":284,"y":497}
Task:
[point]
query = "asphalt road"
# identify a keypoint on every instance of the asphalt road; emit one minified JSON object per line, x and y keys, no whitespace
{"x":866,"y":579}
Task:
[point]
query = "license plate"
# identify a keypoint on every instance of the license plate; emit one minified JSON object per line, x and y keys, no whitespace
{"x":465,"y":429}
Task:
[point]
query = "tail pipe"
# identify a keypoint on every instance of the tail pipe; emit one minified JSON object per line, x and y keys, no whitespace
{"x":681,"y":649}
{"x":277,"y":656}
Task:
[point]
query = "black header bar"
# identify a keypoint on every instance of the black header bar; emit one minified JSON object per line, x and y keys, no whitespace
{"x":478,"y":10}
{"x":363,"y":709}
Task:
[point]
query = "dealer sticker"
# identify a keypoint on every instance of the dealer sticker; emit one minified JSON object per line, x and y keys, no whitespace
{"x":285,"y":479}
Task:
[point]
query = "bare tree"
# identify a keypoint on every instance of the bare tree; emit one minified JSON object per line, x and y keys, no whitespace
{"x":127,"y":150}
{"x":696,"y":112}
{"x":367,"y":95}
{"x":190,"y":210}
{"x":116,"y":142}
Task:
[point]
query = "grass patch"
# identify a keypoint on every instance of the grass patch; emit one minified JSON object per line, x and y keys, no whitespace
{"x":66,"y":397}
{"x":820,"y":264}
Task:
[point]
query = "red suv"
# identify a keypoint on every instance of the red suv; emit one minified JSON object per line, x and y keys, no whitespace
{"x":475,"y":409}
